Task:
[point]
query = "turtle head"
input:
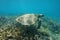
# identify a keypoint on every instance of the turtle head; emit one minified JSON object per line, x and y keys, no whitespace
{"x":40,"y":15}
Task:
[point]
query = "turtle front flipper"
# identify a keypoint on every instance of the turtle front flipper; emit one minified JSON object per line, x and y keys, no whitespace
{"x":39,"y":24}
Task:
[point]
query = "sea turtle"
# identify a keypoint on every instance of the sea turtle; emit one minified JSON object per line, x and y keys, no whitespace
{"x":30,"y":19}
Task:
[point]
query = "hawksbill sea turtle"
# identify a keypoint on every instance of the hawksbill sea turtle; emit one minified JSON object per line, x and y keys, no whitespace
{"x":29,"y":19}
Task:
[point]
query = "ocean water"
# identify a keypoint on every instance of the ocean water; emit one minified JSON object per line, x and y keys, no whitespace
{"x":49,"y":8}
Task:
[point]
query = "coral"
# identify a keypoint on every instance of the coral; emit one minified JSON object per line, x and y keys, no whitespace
{"x":28,"y":27}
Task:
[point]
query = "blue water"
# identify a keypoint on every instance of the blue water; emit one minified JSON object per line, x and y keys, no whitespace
{"x":50,"y":8}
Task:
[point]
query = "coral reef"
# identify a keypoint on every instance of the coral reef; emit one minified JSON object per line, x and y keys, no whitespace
{"x":28,"y":27}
